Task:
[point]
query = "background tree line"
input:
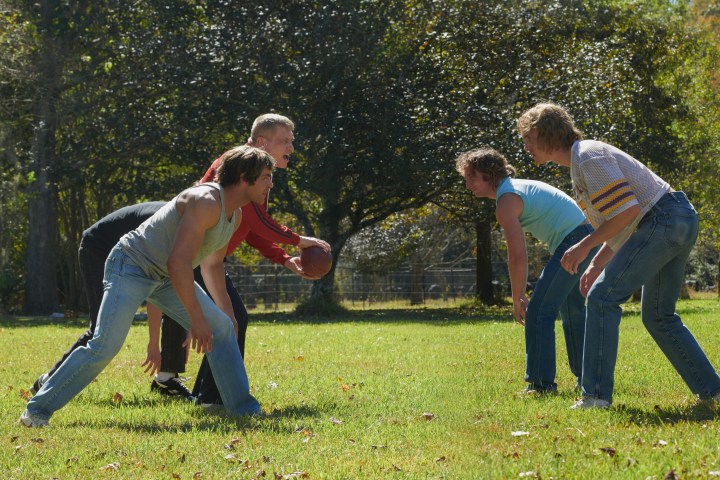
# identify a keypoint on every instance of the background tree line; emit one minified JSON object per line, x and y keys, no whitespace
{"x":105,"y":104}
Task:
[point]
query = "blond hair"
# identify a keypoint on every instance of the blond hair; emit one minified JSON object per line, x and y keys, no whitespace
{"x":267,"y":123}
{"x":555,"y":127}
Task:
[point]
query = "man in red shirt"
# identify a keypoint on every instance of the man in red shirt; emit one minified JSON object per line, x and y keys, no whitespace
{"x":274,"y":134}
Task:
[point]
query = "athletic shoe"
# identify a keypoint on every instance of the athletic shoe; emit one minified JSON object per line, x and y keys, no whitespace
{"x":172,"y":388}
{"x":39,"y":383}
{"x":31,"y":421}
{"x":586,"y":403}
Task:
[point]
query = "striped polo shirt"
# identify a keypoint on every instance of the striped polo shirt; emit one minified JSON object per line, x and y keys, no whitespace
{"x":608,"y":181}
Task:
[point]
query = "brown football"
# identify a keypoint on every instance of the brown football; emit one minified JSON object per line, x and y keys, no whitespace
{"x":315,"y":261}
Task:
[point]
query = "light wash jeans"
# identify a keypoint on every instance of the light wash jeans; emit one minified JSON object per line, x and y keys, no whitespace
{"x":556,"y":291}
{"x":654,"y":257}
{"x":126,"y":286}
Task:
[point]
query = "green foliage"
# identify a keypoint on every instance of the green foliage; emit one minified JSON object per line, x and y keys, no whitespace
{"x":384,"y":94}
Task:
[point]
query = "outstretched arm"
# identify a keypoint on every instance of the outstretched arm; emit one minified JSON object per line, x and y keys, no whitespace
{"x":509,"y":208}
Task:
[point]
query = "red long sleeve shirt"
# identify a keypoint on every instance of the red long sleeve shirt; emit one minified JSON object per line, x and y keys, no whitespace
{"x":258,"y":228}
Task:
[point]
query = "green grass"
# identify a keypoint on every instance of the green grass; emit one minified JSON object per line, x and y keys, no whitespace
{"x":345,"y":398}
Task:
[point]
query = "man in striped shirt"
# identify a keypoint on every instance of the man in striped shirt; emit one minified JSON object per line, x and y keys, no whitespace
{"x":646,"y":230}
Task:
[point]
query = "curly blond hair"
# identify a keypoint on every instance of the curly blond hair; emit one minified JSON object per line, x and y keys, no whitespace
{"x":488,"y":162}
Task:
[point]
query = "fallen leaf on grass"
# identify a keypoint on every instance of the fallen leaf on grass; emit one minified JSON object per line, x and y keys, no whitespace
{"x":176,"y":476}
{"x":375,"y":447}
{"x":345,"y":387}
{"x":260,"y":474}
{"x":26,"y":395}
{"x":519,"y":433}
{"x":111,"y":467}
{"x":230,"y":457}
{"x":335,"y":421}
{"x":272,"y":385}
{"x":427,"y":416}
{"x":714,"y":473}
{"x":197,"y":475}
{"x":13,"y":439}
{"x":529,"y":474}
{"x":660,"y":443}
{"x":671,"y":475}
{"x":609,"y":450}
{"x":440,"y":460}
{"x":300,"y":358}
{"x":117,"y":398}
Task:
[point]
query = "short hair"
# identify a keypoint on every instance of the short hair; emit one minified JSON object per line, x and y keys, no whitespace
{"x":267,"y":123}
{"x":243,"y":163}
{"x":555,"y":127}
{"x":488,"y":162}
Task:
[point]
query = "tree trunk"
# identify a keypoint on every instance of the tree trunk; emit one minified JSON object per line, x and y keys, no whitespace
{"x":417,"y":273}
{"x":484,"y":286}
{"x":41,"y":295}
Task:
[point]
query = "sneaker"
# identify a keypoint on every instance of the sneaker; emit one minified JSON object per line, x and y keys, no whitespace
{"x":586,"y":403}
{"x":172,"y":388}
{"x":32,"y":421}
{"x":39,"y":383}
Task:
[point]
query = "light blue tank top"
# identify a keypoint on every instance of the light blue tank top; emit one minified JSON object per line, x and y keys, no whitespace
{"x":548,"y":213}
{"x":150,"y":244}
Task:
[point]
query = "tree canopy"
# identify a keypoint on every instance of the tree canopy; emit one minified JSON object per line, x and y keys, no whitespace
{"x":103,"y":106}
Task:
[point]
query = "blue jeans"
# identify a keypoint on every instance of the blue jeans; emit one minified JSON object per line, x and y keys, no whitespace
{"x":126,"y":286}
{"x":654,"y":257}
{"x":556,"y":291}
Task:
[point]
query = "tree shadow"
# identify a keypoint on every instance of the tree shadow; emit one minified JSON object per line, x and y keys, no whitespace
{"x":429,"y":316}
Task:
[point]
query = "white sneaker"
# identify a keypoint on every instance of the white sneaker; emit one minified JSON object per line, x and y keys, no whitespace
{"x":31,"y":421}
{"x":590,"y":402}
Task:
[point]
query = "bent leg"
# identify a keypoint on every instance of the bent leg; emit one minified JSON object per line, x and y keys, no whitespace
{"x":126,"y":287}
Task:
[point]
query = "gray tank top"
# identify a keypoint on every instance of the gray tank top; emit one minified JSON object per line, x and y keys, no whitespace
{"x":150,"y":244}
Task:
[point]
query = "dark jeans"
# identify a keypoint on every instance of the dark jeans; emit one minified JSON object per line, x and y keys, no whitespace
{"x":205,"y":389}
{"x":92,"y":270}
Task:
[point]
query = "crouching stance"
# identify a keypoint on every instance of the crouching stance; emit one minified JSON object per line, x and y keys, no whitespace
{"x":155,"y":262}
{"x":554,"y":218}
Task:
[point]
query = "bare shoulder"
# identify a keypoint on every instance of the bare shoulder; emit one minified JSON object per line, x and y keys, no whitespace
{"x":201,"y":202}
{"x":509,"y":208}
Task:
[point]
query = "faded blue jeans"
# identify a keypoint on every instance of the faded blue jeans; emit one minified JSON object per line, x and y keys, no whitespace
{"x":654,"y":257}
{"x":556,"y":291}
{"x":126,"y":286}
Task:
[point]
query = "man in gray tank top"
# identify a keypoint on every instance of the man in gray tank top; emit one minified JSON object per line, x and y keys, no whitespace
{"x":155,"y":263}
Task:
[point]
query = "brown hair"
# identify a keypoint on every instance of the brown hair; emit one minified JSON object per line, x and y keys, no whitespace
{"x":488,"y":162}
{"x":243,"y":163}
{"x":555,"y":127}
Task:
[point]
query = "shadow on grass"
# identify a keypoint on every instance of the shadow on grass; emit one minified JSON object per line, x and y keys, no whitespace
{"x":214,"y":419}
{"x":430,"y":316}
{"x":658,"y":416}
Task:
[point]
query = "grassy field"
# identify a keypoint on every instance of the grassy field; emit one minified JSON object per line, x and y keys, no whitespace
{"x":374,"y":394}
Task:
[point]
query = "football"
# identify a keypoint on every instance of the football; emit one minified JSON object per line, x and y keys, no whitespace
{"x":315,"y":261}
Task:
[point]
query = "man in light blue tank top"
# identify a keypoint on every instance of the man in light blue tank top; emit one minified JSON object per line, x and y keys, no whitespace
{"x":155,"y":263}
{"x":552,"y":217}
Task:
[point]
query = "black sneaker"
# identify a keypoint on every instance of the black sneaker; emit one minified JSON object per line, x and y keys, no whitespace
{"x":172,"y":388}
{"x":39,"y":383}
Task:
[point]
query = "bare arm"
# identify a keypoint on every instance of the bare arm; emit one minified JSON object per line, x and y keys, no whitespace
{"x":213,"y":272}
{"x":508,"y":211}
{"x":575,"y":255}
{"x":200,"y":212}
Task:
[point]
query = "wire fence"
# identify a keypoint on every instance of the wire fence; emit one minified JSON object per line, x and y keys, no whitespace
{"x":270,"y":285}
